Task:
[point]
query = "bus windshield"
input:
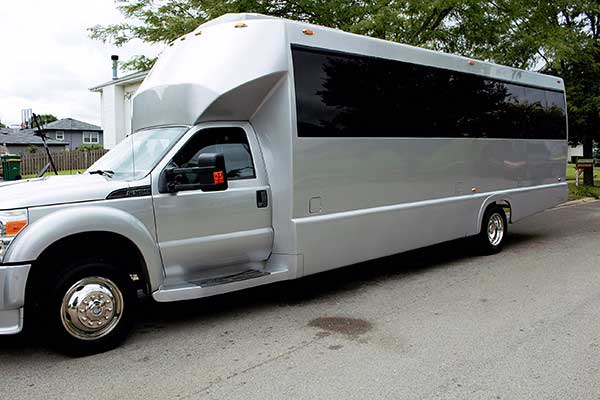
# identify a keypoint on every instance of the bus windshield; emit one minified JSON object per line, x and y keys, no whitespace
{"x":138,"y":153}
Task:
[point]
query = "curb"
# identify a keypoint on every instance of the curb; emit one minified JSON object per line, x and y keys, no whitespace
{"x":571,"y":203}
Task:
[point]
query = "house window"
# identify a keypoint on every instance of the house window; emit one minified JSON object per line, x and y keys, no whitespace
{"x":91,"y":138}
{"x":60,"y":135}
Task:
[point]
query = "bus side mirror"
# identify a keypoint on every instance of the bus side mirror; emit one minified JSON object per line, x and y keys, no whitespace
{"x":208,"y":175}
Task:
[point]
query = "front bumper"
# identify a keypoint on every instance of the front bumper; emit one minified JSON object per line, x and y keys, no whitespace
{"x":13,"y":279}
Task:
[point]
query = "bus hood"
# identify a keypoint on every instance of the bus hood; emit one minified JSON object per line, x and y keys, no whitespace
{"x":52,"y":190}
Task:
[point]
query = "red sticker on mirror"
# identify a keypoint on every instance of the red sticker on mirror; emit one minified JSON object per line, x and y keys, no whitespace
{"x":218,"y":177}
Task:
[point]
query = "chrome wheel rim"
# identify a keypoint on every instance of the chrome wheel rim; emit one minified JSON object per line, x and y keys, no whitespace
{"x":495,"y":229}
{"x":92,"y":308}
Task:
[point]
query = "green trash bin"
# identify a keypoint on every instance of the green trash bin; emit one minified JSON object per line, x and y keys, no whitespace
{"x":11,"y":167}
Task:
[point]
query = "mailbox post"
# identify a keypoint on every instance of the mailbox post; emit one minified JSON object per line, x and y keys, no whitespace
{"x":580,"y":167}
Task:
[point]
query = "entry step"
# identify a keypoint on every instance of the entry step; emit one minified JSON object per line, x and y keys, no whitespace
{"x":224,"y":284}
{"x":242,"y":276}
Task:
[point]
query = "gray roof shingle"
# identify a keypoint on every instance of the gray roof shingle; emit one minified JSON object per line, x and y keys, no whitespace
{"x":24,"y":137}
{"x":70,"y":124}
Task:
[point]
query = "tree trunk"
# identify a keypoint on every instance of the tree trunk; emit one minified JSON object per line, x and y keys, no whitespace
{"x":588,"y":148}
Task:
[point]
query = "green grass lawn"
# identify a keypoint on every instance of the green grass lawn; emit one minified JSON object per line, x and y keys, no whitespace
{"x":50,"y":173}
{"x":571,"y":172}
{"x":576,"y":193}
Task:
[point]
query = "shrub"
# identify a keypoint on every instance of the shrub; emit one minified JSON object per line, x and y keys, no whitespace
{"x":90,"y":147}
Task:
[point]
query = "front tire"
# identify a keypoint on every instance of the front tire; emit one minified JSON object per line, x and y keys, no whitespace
{"x":90,"y":308}
{"x":494,"y":228}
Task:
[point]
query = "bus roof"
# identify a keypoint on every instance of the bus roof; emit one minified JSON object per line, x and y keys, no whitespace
{"x":338,"y":40}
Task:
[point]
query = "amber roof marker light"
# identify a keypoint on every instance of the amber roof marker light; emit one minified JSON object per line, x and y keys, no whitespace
{"x":240,"y":25}
{"x":308,"y":32}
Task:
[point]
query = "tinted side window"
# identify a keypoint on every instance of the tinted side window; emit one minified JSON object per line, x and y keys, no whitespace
{"x":535,"y":112}
{"x":347,"y":95}
{"x":512,"y":113}
{"x":556,"y":114}
{"x":232,"y":142}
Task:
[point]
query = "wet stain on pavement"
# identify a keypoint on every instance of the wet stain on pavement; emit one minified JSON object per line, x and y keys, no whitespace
{"x":335,"y":347}
{"x":345,"y":326}
{"x":322,"y":334}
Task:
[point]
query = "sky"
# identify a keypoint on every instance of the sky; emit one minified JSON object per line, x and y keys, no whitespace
{"x":48,"y":62}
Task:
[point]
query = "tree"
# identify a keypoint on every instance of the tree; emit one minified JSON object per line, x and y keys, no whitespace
{"x":433,"y":24}
{"x":560,"y":37}
{"x":43,"y":119}
{"x":2,"y":125}
{"x":46,"y":118}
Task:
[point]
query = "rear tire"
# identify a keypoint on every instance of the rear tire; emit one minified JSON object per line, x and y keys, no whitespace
{"x":89,"y":308}
{"x":494,"y":228}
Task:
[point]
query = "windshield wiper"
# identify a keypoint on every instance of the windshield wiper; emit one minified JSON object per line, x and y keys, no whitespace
{"x":236,"y":173}
{"x":107,"y":173}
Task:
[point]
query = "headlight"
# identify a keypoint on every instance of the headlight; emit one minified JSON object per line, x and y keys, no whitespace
{"x":11,"y":223}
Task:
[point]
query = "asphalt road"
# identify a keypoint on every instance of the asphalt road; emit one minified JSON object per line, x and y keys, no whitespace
{"x":436,"y":323}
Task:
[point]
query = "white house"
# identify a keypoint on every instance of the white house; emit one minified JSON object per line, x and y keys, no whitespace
{"x":575,"y":151}
{"x":115,"y":96}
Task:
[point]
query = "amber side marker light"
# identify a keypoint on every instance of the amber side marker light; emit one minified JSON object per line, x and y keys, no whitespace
{"x":308,"y":32}
{"x":241,"y":25}
{"x":14,"y":227}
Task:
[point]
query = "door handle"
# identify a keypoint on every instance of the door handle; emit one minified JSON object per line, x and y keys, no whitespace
{"x":262,"y":200}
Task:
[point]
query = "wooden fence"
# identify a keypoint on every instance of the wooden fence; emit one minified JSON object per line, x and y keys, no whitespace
{"x":31,"y":164}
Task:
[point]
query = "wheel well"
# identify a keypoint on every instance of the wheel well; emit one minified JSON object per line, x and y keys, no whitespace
{"x":100,"y":245}
{"x":505,"y":205}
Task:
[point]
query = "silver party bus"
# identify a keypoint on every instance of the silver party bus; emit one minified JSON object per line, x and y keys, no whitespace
{"x":266,"y":150}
